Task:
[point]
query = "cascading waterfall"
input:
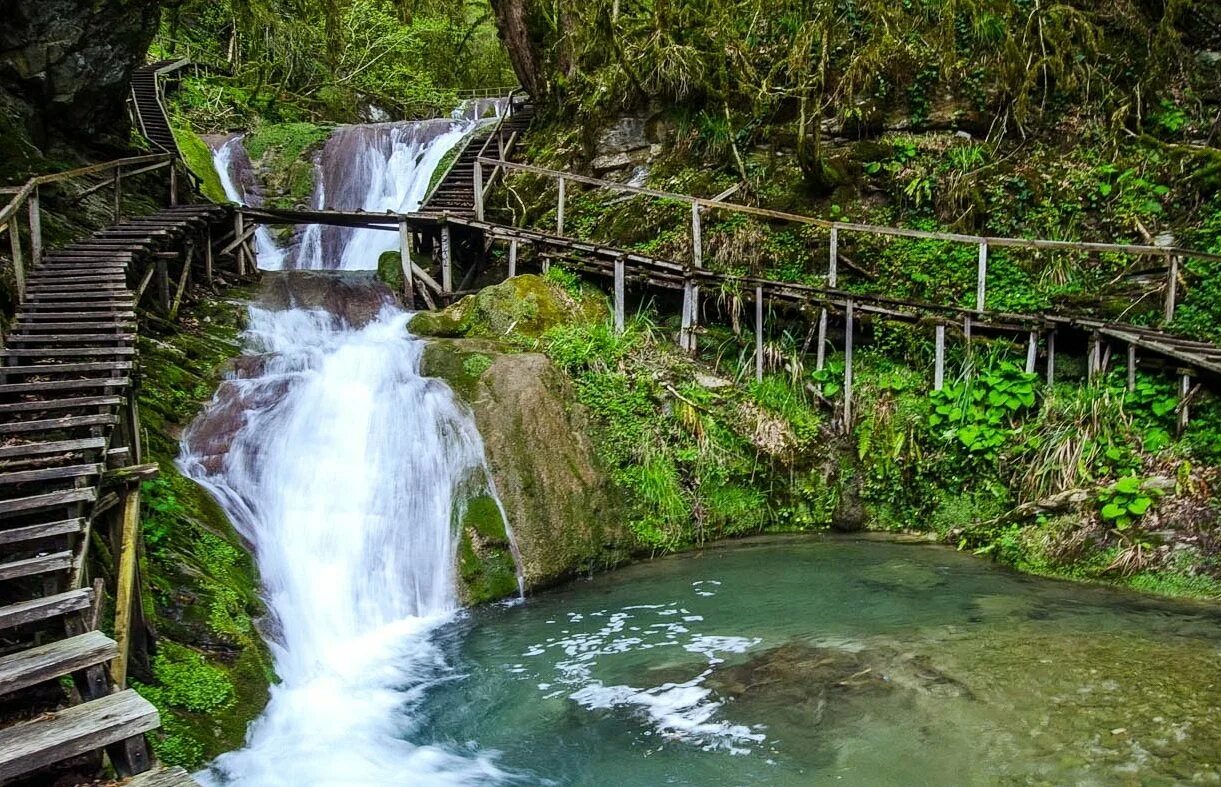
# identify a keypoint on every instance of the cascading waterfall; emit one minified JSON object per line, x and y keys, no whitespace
{"x":375,"y":167}
{"x":237,"y":177}
{"x":347,"y":475}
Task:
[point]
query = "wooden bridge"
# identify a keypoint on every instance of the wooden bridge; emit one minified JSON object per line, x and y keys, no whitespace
{"x":439,"y":221}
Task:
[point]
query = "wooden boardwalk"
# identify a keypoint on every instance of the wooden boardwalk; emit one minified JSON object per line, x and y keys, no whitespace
{"x":455,"y":192}
{"x":68,"y":428}
{"x":150,"y":109}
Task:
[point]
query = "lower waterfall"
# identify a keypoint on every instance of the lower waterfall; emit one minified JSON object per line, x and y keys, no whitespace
{"x":347,"y":476}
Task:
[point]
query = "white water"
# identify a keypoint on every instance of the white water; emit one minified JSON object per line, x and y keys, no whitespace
{"x":347,"y":477}
{"x":268,"y":254}
{"x":375,"y":168}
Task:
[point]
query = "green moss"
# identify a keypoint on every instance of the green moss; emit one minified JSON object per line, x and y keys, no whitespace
{"x":198,"y":158}
{"x":284,"y":156}
{"x":525,"y":306}
{"x":485,"y":561}
{"x":476,"y":365}
{"x":390,"y":270}
{"x":483,"y":515}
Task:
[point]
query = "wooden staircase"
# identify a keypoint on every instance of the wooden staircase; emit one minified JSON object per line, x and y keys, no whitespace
{"x":150,"y":111}
{"x":66,"y":419}
{"x":455,"y":193}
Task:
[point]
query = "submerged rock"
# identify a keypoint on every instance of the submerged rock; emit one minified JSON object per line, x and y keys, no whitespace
{"x":355,"y":297}
{"x":559,"y":501}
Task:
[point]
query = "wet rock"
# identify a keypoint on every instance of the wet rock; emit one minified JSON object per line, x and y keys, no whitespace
{"x":559,"y":501}
{"x":354,"y":297}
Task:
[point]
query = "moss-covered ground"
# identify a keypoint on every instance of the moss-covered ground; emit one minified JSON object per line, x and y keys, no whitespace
{"x":211,"y":670}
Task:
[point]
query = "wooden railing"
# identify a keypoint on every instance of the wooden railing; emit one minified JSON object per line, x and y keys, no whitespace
{"x":1171,"y":254}
{"x":29,"y":196}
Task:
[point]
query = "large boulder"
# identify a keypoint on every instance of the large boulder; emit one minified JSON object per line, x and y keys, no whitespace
{"x":561,"y":506}
{"x":65,"y":65}
{"x":524,"y":306}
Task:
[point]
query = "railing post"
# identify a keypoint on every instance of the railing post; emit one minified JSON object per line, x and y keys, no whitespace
{"x":1094,"y":358}
{"x":405,"y":262}
{"x":35,"y":208}
{"x":1172,"y":285}
{"x":125,"y":582}
{"x":118,"y":194}
{"x":820,"y":356}
{"x":447,"y":268}
{"x":559,"y":211}
{"x":848,"y":366}
{"x":981,"y":277}
{"x":1051,"y":358}
{"x":697,"y":259}
{"x":239,"y":229}
{"x":833,"y":261}
{"x":512,"y":258}
{"x":939,"y":359}
{"x":208,"y":256}
{"x":1032,"y":351}
{"x":478,"y":182}
{"x":1184,"y":408}
{"x":18,"y":263}
{"x":1131,"y":367}
{"x":759,"y":333}
{"x":620,"y":274}
{"x":684,"y":333}
{"x":173,"y":184}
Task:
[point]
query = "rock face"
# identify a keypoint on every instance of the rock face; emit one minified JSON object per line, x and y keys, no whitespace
{"x":355,"y":297}
{"x":561,"y":506}
{"x":65,"y":65}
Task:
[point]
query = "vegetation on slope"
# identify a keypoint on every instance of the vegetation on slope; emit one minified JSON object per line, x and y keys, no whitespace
{"x":335,"y":60}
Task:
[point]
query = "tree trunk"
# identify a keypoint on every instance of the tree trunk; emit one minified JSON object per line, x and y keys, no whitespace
{"x":515,"y":32}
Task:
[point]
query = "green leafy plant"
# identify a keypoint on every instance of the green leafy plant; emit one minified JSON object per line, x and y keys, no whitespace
{"x":1126,"y":501}
{"x":979,"y":411}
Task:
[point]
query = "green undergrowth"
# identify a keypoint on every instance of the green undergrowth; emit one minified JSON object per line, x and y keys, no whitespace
{"x":210,"y":672}
{"x":1082,"y":481}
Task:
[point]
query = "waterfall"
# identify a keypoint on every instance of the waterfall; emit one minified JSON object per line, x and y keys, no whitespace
{"x":346,"y":475}
{"x":237,"y":177}
{"x":375,"y":167}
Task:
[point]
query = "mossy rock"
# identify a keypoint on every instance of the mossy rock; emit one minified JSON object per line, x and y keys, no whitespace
{"x":198,"y":158}
{"x":390,"y":270}
{"x":485,"y":557}
{"x":524,"y":306}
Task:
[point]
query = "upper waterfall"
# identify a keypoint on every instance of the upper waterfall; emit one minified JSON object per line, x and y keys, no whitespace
{"x":375,"y":168}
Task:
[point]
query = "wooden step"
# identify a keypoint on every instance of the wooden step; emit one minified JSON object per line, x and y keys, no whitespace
{"x":89,"y":294}
{"x":55,"y":659}
{"x":73,"y":731}
{"x":112,"y":316}
{"x":65,"y":368}
{"x":67,"y":497}
{"x":46,"y":448}
{"x":28,"y":325}
{"x":18,"y":535}
{"x":57,"y":424}
{"x":64,"y":403}
{"x":43,"y":609}
{"x":98,"y":308}
{"x":32,"y":566}
{"x":96,"y":383}
{"x":56,"y":338}
{"x":68,"y":352}
{"x":50,"y":474}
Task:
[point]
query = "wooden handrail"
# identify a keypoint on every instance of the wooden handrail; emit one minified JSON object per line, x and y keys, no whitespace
{"x":23,"y":193}
{"x":872,"y":229}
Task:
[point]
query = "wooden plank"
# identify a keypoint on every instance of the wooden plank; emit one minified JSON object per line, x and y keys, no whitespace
{"x":52,"y":447}
{"x":52,"y":338}
{"x":848,"y":330}
{"x":162,"y":777}
{"x":66,"y":403}
{"x":63,"y":527}
{"x":64,"y":385}
{"x":939,"y":360}
{"x":33,"y":566}
{"x":69,"y":352}
{"x":42,"y":609}
{"x":50,"y":473}
{"x":619,"y":295}
{"x":57,"y":424}
{"x":73,"y":731}
{"x":126,"y":580}
{"x":759,"y":334}
{"x":55,"y":659}
{"x":67,"y":368}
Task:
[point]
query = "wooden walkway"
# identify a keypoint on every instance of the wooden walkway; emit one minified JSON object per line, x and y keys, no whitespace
{"x":455,"y":192}
{"x":69,"y":439}
{"x":150,"y":109}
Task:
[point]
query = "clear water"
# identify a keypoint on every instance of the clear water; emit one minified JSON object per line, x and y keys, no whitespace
{"x":815,"y":662}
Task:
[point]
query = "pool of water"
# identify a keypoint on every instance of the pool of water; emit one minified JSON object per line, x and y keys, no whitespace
{"x":813,"y":661}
